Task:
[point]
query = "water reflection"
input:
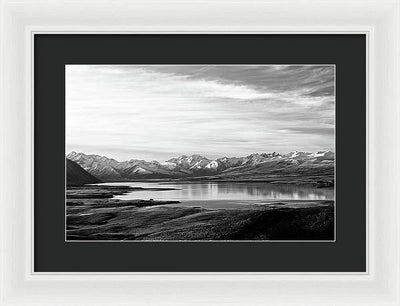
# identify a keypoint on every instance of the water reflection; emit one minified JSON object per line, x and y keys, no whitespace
{"x":214,"y":191}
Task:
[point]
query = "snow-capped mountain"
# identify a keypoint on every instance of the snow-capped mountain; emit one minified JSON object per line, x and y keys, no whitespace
{"x":99,"y":166}
{"x":187,"y":162}
{"x":324,"y":155}
{"x":258,"y":165}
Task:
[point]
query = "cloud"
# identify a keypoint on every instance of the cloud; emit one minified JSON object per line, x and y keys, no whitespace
{"x":310,"y":130}
{"x":150,"y":111}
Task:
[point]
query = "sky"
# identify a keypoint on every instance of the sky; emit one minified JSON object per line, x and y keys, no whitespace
{"x":159,"y":112}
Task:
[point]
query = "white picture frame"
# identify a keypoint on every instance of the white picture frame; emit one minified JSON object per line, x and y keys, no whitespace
{"x":379,"y":20}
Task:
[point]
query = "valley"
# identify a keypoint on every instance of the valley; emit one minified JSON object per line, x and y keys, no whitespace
{"x":265,"y":196}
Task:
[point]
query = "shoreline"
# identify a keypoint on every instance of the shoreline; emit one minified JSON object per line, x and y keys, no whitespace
{"x":98,"y":216}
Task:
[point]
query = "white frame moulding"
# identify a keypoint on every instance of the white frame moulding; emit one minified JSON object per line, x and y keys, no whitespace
{"x":378,"y":19}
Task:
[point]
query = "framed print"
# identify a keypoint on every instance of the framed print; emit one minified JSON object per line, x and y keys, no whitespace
{"x":189,"y":159}
{"x":255,"y":164}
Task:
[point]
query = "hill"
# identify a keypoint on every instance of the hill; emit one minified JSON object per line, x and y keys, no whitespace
{"x":77,"y":176}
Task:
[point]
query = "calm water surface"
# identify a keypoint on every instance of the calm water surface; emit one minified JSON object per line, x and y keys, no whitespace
{"x":224,"y":194}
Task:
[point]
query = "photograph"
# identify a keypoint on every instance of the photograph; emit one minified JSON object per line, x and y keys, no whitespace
{"x":205,"y":153}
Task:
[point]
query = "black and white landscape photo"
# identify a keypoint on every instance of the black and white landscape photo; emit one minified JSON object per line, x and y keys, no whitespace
{"x":200,"y":153}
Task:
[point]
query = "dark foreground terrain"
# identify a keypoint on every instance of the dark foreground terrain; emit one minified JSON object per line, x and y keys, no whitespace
{"x":93,"y":214}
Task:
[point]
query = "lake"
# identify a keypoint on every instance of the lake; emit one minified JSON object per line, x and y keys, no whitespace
{"x":224,"y":194}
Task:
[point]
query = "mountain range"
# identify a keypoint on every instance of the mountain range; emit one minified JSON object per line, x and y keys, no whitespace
{"x":305,"y":166}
